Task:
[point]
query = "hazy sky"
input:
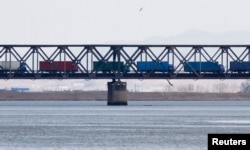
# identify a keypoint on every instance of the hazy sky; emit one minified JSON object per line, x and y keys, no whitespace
{"x":102,"y":21}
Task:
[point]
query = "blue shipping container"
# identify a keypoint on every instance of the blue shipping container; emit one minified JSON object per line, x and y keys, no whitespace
{"x":236,"y":66}
{"x":154,"y":66}
{"x":204,"y":67}
{"x":16,"y":89}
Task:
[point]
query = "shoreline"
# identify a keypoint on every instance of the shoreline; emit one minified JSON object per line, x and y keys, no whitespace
{"x":132,"y":96}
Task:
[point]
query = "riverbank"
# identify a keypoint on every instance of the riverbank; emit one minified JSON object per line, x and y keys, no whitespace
{"x":102,"y":96}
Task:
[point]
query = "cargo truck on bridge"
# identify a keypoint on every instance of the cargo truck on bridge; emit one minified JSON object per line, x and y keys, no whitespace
{"x":240,"y":67}
{"x":12,"y":66}
{"x":148,"y":66}
{"x":211,"y":67}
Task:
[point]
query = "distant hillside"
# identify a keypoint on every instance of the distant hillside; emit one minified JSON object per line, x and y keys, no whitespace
{"x":194,"y":36}
{"x":201,"y":37}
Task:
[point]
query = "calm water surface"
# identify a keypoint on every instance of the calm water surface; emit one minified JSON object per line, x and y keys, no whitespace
{"x":142,"y":125}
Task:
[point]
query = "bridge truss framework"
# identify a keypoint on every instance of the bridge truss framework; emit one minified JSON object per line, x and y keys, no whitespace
{"x":84,"y":55}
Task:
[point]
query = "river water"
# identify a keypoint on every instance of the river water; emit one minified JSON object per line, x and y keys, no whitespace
{"x":144,"y":125}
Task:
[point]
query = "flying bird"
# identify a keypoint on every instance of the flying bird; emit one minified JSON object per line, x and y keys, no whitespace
{"x":140,"y":9}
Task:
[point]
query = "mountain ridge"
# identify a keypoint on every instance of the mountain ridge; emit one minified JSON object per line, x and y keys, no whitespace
{"x":195,"y":37}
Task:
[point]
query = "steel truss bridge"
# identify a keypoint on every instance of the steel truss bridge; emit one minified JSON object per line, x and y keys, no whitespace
{"x":84,"y":56}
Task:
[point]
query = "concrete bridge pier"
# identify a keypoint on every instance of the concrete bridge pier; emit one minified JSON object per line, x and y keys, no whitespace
{"x":117,"y":93}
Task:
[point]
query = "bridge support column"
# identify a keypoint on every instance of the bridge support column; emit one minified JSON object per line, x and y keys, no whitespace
{"x":117,"y":93}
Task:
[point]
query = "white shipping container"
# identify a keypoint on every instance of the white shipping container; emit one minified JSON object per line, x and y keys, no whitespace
{"x":9,"y":65}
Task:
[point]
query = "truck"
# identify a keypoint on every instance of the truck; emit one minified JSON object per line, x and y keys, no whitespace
{"x":212,"y":67}
{"x":148,"y":66}
{"x":58,"y":66}
{"x":109,"y":66}
{"x":237,"y":66}
{"x":12,"y":66}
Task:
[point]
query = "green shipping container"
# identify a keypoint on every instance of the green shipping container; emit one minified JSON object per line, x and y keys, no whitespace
{"x":108,"y":66}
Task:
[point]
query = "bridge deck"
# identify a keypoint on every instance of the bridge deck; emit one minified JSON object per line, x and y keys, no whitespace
{"x":125,"y":76}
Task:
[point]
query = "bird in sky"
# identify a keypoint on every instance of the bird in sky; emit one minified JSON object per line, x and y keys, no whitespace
{"x":140,"y":9}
